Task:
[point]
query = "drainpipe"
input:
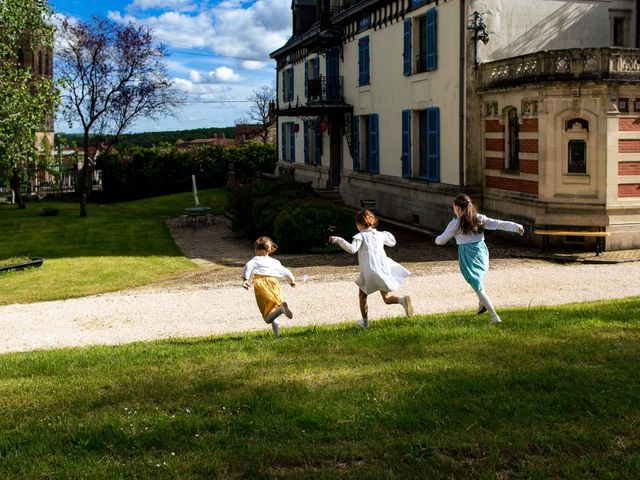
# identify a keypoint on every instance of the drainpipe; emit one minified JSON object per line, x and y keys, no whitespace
{"x":637,"y":23}
{"x":461,"y":80}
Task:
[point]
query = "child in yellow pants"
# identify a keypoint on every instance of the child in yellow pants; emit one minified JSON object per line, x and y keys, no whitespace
{"x":266,"y":273}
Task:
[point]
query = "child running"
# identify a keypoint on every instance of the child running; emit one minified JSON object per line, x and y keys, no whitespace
{"x":377,"y":271}
{"x":266,"y":272}
{"x":467,"y":228}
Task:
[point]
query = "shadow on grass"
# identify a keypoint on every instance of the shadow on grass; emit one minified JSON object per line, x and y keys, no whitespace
{"x":552,"y":394}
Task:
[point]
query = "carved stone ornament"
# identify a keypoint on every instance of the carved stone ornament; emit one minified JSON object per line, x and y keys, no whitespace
{"x":491,"y":109}
{"x":529,"y":107}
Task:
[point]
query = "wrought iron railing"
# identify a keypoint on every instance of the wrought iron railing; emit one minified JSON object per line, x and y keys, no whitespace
{"x":325,"y":89}
{"x":563,"y":65}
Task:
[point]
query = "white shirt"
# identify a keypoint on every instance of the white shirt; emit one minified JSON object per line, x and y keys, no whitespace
{"x":453,"y":230}
{"x":377,"y":271}
{"x":266,"y":265}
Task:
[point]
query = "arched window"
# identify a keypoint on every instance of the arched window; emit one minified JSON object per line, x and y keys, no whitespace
{"x":47,"y":62}
{"x":40,"y":65}
{"x":513,"y":140}
{"x":21,"y":57}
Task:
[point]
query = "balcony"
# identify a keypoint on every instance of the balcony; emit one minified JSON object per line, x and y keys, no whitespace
{"x":325,"y":90}
{"x":578,"y":64}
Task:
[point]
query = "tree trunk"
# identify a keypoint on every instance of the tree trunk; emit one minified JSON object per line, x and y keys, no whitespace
{"x":15,"y":186}
{"x":84,"y":176}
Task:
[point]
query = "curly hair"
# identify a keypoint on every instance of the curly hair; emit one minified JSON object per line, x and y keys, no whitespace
{"x":366,"y":218}
{"x":265,"y":245}
{"x":469,"y":222}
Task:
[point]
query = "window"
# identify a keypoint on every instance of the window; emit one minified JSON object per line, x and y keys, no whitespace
{"x":288,"y":141}
{"x":312,"y":86}
{"x":429,"y":144}
{"x":623,"y":105}
{"x":47,"y":71}
{"x":577,"y":134}
{"x":21,"y":57}
{"x":420,"y":37}
{"x":365,"y":143}
{"x":513,"y":140}
{"x":363,"y":62}
{"x":619,"y":25}
{"x":287,"y":84}
{"x":312,"y":142}
{"x":577,"y":156}
{"x":40,"y":64}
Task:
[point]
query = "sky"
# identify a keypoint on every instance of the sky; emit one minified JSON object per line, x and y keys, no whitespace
{"x":218,"y":51}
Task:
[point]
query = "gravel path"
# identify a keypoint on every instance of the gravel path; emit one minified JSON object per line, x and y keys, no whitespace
{"x":213,"y":307}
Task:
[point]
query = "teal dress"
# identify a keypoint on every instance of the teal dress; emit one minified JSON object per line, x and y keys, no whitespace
{"x":474,"y":263}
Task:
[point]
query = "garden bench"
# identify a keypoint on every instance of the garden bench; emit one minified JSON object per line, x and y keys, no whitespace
{"x":599,"y":235}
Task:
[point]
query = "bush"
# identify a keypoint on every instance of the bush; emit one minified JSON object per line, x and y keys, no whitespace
{"x":304,"y":227}
{"x":50,"y":211}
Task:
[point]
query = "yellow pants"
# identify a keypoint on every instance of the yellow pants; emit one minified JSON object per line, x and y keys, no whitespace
{"x":269,"y":294}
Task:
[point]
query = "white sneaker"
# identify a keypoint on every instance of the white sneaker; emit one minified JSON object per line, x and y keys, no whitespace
{"x":496,"y":321}
{"x":275,"y":328}
{"x":408,"y":307}
{"x":363,"y":323}
{"x":287,"y":312}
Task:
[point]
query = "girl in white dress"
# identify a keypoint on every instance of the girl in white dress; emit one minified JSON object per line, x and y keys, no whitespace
{"x":468,"y":229}
{"x":377,"y":271}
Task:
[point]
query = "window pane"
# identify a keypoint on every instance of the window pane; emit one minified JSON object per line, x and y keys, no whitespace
{"x":577,"y":156}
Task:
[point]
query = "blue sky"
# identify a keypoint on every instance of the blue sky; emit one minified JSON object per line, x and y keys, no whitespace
{"x":219,"y":51}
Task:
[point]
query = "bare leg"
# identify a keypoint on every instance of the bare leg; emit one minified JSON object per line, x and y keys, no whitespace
{"x":364,"y":309}
{"x":388,"y":298}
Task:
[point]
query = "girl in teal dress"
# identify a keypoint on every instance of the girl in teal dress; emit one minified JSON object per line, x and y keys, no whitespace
{"x":468,"y":229}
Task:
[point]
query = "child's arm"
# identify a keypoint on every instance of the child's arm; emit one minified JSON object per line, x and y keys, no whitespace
{"x":246,"y":274}
{"x":448,"y":233}
{"x":352,"y":247}
{"x":389,"y":239}
{"x":494,"y":224}
{"x":288,"y":275}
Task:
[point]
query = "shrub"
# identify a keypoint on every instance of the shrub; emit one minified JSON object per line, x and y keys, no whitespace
{"x":304,"y":226}
{"x":50,"y":211}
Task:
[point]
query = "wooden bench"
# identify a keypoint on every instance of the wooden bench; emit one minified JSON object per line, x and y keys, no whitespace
{"x":577,"y":233}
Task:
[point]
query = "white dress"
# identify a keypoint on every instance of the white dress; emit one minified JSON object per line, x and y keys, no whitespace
{"x":377,"y":271}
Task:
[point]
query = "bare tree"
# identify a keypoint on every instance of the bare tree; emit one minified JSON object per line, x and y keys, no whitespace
{"x":113,"y":75}
{"x":262,"y":102}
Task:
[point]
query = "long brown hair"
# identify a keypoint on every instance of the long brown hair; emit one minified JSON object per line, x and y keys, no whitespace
{"x":469,"y":222}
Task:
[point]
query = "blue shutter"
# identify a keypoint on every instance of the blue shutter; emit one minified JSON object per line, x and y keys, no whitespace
{"x":283,"y":136}
{"x":333,"y":62}
{"x":316,"y":68}
{"x":318,"y":143}
{"x":291,"y":89}
{"x":355,"y":142}
{"x":292,"y":136}
{"x":406,"y":143}
{"x":363,"y":61}
{"x":407,"y":47}
{"x":306,"y":141}
{"x":433,"y":144}
{"x":306,"y":79}
{"x":374,"y":147}
{"x":432,"y":40}
{"x":284,"y":86}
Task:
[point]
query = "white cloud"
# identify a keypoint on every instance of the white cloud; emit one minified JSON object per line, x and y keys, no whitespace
{"x":219,"y":75}
{"x":180,"y":5}
{"x":253,"y":65}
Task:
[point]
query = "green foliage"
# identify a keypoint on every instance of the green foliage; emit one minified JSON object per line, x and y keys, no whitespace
{"x":50,"y":211}
{"x":137,"y":172}
{"x":27,"y":97}
{"x":304,"y":226}
{"x":553,"y":393}
{"x":291,"y":213}
{"x":153,"y":139}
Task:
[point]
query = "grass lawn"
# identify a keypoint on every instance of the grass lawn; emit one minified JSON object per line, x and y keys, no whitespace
{"x":552,"y":393}
{"x":117,"y":246}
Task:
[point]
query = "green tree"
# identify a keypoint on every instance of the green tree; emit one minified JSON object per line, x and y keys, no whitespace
{"x":28,"y":97}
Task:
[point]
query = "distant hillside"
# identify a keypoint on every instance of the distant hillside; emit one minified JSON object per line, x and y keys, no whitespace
{"x":149,"y":139}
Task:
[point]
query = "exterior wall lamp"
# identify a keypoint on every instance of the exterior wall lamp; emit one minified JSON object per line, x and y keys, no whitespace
{"x":480,"y":34}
